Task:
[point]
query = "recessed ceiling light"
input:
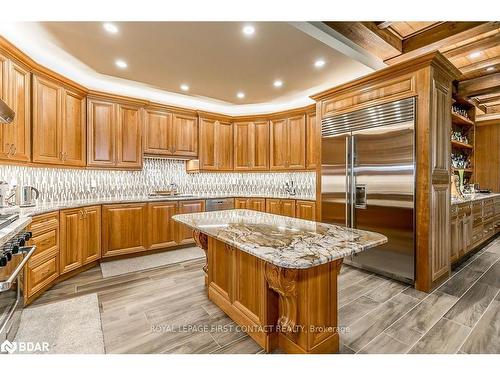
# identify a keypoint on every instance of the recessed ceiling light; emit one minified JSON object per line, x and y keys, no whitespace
{"x":248,"y":30}
{"x":473,"y":55}
{"x":240,"y":95}
{"x":490,"y":68}
{"x":319,"y":63}
{"x":110,"y":28}
{"x":278,"y":83}
{"x":121,"y":64}
{"x":184,"y":87}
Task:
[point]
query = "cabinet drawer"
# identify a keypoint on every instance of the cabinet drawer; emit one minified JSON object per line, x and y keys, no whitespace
{"x":46,"y":246}
{"x":40,"y":276}
{"x":464,"y":209}
{"x":489,"y":229}
{"x":477,"y":238}
{"x":44,"y":223}
{"x":488,"y":212}
{"x":488,"y":202}
{"x":477,"y":221}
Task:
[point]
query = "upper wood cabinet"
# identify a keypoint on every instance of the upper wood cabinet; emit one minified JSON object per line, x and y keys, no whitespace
{"x":170,"y":134}
{"x":311,"y":141}
{"x":288,"y":143}
{"x":15,"y":88}
{"x":251,"y":146}
{"x":59,"y":127}
{"x":114,"y":132}
{"x":216,"y":145}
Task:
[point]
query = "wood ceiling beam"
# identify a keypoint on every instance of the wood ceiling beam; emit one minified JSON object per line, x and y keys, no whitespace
{"x":480,"y":65}
{"x":411,"y":51}
{"x":478,"y":45}
{"x":479,"y":86}
{"x":367,"y":35}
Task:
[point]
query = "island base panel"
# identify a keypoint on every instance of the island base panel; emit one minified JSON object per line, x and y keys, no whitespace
{"x":293,"y":310}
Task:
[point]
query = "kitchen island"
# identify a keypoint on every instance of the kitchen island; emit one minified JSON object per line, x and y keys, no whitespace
{"x":276,"y":276}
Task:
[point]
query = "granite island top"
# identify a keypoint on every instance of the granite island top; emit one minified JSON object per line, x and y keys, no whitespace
{"x":283,"y":241}
{"x":43,"y":208}
{"x":473,"y":198}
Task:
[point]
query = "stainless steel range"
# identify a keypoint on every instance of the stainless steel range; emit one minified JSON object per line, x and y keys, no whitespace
{"x":14,"y":254}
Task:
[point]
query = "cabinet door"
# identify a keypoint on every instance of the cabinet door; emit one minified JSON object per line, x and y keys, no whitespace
{"x":129,"y":137}
{"x":296,"y":142}
{"x":17,"y":135}
{"x":4,"y":82}
{"x":124,"y":229}
{"x":224,"y":146}
{"x":278,"y":151}
{"x":241,"y":203}
{"x":454,"y":251}
{"x":161,"y":229}
{"x":257,"y":204}
{"x":208,"y":160}
{"x":273,"y":206}
{"x":288,"y":207}
{"x":92,"y":249}
{"x":73,"y":129}
{"x":306,"y":210}
{"x":158,"y":132}
{"x":73,"y":238}
{"x":243,"y":146}
{"x":311,"y":141}
{"x":260,"y":145}
{"x":47,"y":112}
{"x":185,"y":135}
{"x":185,"y":234}
{"x":101,"y":133}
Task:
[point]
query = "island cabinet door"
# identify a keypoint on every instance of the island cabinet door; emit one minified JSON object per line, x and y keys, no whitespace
{"x":124,"y":229}
{"x":257,"y":204}
{"x":241,"y":203}
{"x":161,"y":229}
{"x":184,"y":233}
{"x":305,"y":210}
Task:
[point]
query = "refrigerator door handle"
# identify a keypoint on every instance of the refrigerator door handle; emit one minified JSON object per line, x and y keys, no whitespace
{"x":347,"y":189}
{"x":361,"y":197}
{"x":352,"y":200}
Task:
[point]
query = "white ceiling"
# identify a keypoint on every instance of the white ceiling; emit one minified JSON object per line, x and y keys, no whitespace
{"x":214,"y":58}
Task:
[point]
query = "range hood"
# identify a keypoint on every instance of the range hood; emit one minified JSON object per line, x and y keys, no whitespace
{"x":6,"y":113}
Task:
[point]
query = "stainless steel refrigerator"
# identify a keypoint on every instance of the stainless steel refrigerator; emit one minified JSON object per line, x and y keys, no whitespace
{"x":368,"y":182}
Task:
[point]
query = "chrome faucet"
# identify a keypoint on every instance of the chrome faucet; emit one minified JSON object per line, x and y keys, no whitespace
{"x":174,"y":188}
{"x":290,"y":188}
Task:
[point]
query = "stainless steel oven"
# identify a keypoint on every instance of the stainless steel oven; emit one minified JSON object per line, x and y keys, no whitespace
{"x":14,"y":254}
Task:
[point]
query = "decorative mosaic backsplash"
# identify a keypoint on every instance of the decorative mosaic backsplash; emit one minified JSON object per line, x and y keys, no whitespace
{"x":57,"y":184}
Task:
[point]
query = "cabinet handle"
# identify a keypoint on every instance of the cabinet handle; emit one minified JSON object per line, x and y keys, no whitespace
{"x":61,"y":156}
{"x":14,"y":149}
{"x":7,"y":146}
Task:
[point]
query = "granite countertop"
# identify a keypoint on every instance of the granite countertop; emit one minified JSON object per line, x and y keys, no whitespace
{"x":7,"y":233}
{"x":280,"y":240}
{"x":44,"y":208}
{"x":476,"y":197}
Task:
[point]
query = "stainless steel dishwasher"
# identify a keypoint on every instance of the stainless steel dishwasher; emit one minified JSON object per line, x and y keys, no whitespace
{"x":219,"y":204}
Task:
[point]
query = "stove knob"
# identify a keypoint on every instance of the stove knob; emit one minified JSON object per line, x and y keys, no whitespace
{"x":3,"y":261}
{"x":15,"y":249}
{"x":22,"y":242}
{"x":27,"y":236}
{"x":8,"y":255}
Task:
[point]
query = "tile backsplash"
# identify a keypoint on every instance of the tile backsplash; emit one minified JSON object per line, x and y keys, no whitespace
{"x":57,"y":184}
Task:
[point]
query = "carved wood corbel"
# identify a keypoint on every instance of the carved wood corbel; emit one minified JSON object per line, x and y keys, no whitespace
{"x":201,"y":240}
{"x":284,"y":282}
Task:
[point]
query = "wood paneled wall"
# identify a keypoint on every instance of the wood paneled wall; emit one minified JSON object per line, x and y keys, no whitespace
{"x":487,"y":163}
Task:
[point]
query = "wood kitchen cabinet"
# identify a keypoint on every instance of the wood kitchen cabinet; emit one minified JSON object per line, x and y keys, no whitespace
{"x":185,"y":234}
{"x":251,"y":146}
{"x":305,"y":210}
{"x":170,"y":134}
{"x":311,"y":141}
{"x":256,"y":204}
{"x":216,"y":145}
{"x":80,"y":243}
{"x":59,"y":124}
{"x":288,"y":143}
{"x":124,"y":228}
{"x":15,"y":88}
{"x":285,"y":207}
{"x":114,"y":132}
{"x":161,"y":228}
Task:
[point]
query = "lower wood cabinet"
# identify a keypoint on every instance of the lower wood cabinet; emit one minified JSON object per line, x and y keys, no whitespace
{"x":185,"y":234}
{"x":124,"y":229}
{"x":80,"y":237}
{"x":285,"y":207}
{"x":305,"y":210}
{"x":161,"y":228}
{"x":256,"y":204}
